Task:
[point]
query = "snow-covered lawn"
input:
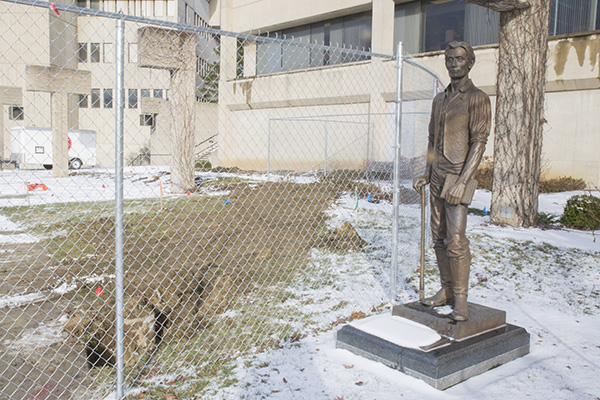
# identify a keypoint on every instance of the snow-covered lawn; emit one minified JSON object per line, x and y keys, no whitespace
{"x":547,"y":281}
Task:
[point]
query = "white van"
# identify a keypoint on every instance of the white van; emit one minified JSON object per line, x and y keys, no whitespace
{"x":31,"y":147}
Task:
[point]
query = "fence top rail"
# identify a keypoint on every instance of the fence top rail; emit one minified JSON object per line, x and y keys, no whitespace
{"x":290,"y":41}
{"x":324,"y":116}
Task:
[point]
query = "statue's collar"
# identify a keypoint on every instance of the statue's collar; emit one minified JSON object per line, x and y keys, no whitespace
{"x":466,"y":85}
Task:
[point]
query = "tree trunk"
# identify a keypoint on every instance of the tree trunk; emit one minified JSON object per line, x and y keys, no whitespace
{"x":182,"y":99}
{"x":519,"y":114}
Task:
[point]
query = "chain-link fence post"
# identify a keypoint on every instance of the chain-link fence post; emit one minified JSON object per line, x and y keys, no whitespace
{"x":397,"y":153}
{"x":326,"y":141}
{"x":120,"y":105}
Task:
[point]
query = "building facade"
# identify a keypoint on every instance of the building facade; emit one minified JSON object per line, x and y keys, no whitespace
{"x":257,"y":79}
{"x":86,"y":43}
{"x":571,"y":134}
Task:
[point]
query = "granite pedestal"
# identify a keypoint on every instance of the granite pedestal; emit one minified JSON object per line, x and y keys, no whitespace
{"x":477,"y":346}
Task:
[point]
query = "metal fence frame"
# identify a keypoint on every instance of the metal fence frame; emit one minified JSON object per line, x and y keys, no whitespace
{"x":120,"y":21}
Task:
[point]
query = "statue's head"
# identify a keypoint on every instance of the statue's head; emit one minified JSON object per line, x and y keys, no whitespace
{"x":460,"y":58}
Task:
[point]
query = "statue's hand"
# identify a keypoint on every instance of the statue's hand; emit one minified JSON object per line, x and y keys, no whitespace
{"x":456,"y":192}
{"x":420,"y":181}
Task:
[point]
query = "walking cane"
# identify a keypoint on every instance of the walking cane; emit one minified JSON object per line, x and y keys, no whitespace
{"x":422,"y":266}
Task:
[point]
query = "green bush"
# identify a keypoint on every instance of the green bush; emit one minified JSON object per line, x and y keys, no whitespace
{"x":203,"y":164}
{"x":582,"y":212}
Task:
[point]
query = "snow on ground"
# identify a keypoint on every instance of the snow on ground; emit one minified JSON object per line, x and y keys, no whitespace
{"x":547,"y":281}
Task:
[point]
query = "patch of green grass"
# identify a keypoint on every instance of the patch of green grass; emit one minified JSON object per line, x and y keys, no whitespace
{"x":476,"y":211}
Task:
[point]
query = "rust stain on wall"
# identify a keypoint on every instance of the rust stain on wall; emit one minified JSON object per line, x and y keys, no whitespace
{"x":581,"y":45}
{"x":561,"y":52}
{"x":246,"y":88}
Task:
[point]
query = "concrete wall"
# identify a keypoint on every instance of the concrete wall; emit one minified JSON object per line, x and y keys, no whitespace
{"x":272,"y":15}
{"x":292,"y":120}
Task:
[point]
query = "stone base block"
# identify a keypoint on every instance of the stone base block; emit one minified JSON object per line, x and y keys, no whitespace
{"x":481,"y":319}
{"x":446,"y":365}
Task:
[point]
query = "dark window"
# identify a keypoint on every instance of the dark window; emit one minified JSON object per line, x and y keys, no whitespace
{"x":94,"y":52}
{"x":82,"y":52}
{"x":353,"y":31}
{"x":82,"y":3}
{"x":133,"y":98}
{"x":95,"y":4}
{"x":158,"y":93}
{"x":15,"y":113}
{"x":95,"y":98}
{"x":444,"y":22}
{"x":598,"y":15}
{"x":145,"y":92}
{"x":147,"y":119}
{"x":83,"y":101}
{"x":108,"y":98}
{"x":572,"y":16}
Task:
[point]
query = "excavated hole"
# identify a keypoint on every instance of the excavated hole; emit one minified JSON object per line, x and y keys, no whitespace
{"x":98,"y":355}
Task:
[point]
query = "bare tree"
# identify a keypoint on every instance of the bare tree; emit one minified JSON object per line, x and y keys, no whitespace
{"x":519,"y":109}
{"x":175,"y":51}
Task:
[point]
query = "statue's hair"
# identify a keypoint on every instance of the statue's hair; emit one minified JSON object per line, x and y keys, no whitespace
{"x":456,"y":44}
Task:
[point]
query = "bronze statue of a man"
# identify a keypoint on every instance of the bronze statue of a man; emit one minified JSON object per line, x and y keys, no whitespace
{"x":458,"y":131}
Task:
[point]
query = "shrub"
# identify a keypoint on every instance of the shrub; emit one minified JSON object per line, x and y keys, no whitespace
{"x":484,"y":174}
{"x":561,"y":184}
{"x":546,"y":220}
{"x":203,"y":164}
{"x":582,"y":212}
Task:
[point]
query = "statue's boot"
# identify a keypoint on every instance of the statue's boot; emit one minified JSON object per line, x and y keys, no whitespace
{"x":460,"y":276}
{"x":446,"y":294}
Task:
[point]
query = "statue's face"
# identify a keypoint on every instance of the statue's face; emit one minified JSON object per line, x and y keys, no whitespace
{"x":457,"y":63}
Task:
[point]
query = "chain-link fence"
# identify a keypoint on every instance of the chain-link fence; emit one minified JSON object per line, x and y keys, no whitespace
{"x":175,"y":198}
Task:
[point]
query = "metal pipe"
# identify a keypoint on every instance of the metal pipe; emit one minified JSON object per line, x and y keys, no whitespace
{"x":326,"y":139}
{"x":269,"y":151}
{"x":422,"y":261}
{"x":396,"y":190}
{"x":120,"y":104}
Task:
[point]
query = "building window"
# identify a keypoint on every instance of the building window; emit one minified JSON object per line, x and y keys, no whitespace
{"x":353,"y":31}
{"x":95,"y":4}
{"x":572,"y":16}
{"x":171,"y":8}
{"x":145,"y":93}
{"x":15,"y":113}
{"x":147,"y":119}
{"x":109,"y":5}
{"x":82,"y":52}
{"x":82,"y":101}
{"x":158,"y":93}
{"x":444,"y":22}
{"x":109,"y":53}
{"x":133,"y":52}
{"x":132,"y":99}
{"x":159,"y":8}
{"x":95,"y":98}
{"x":407,"y":26}
{"x":108,"y":98}
{"x":449,"y":20}
{"x":95,"y":52}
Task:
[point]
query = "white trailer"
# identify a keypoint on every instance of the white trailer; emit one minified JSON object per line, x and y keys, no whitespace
{"x":31,"y":147}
